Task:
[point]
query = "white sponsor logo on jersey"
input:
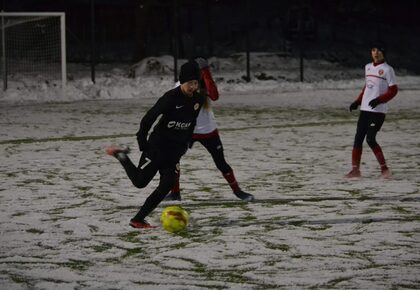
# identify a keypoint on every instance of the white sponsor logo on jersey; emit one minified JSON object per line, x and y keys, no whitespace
{"x":179,"y":125}
{"x":370,"y":84}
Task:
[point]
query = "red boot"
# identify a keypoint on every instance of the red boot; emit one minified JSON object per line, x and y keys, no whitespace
{"x":356,"y":155}
{"x":113,"y":150}
{"x":141,"y":224}
{"x":354,"y":173}
{"x":385,"y":172}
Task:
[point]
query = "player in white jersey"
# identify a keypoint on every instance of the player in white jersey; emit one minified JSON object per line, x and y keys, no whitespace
{"x":379,"y":89}
{"x":207,"y":134}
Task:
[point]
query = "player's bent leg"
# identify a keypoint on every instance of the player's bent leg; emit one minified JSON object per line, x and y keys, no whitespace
{"x":140,"y":176}
{"x":356,"y":154}
{"x":151,"y":202}
{"x":378,"y":120}
{"x":385,"y":172}
{"x":231,"y":179}
{"x":215,"y":148}
{"x":167,"y":179}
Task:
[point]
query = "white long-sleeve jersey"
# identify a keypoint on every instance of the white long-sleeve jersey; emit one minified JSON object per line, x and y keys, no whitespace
{"x":206,"y":122}
{"x":378,"y":79}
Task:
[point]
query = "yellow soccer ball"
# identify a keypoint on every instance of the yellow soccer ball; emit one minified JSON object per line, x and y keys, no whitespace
{"x":174,"y":219}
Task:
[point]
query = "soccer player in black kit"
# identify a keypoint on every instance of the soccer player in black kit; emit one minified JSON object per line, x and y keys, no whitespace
{"x":168,"y":141}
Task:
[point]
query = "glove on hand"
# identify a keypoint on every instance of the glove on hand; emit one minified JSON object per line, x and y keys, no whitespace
{"x":354,"y":106}
{"x":374,"y":103}
{"x":202,"y":62}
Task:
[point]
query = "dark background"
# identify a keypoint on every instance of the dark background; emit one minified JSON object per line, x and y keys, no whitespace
{"x":339,"y":31}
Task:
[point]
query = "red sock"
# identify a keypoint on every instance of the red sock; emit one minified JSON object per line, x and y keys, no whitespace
{"x":176,"y":188}
{"x":380,"y":157}
{"x":356,"y":155}
{"x":230,"y":178}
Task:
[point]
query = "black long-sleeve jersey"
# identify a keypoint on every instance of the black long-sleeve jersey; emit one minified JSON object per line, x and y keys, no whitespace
{"x":175,"y":127}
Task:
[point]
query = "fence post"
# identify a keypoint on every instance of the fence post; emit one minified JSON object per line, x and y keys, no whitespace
{"x":301,"y":22}
{"x":92,"y":40}
{"x":175,"y":39}
{"x":3,"y":45}
{"x":247,"y":48}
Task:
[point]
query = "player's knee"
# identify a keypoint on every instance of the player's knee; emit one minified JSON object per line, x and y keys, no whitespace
{"x":224,"y":167}
{"x":371,"y":142}
{"x":139,"y":183}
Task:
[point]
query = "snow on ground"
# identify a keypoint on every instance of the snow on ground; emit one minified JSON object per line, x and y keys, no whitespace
{"x":65,"y":205}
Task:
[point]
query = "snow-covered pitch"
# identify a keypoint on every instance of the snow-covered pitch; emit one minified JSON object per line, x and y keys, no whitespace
{"x":65,"y":205}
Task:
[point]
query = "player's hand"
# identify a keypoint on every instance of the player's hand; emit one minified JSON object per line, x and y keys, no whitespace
{"x":202,"y":62}
{"x":374,"y":103}
{"x":354,"y":106}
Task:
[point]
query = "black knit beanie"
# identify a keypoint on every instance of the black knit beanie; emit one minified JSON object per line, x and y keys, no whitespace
{"x":380,"y":46}
{"x":189,"y":72}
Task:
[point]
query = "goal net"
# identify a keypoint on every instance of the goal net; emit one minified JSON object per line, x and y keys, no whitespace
{"x":33,"y":51}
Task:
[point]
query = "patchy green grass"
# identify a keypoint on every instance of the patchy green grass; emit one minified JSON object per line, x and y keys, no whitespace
{"x":77,"y":265}
{"x":35,"y":231}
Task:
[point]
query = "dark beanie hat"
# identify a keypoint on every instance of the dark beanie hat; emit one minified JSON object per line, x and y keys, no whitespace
{"x":189,"y":72}
{"x":380,"y":46}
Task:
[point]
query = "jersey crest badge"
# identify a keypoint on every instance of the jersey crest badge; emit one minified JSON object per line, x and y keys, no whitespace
{"x":381,"y":72}
{"x":196,"y":106}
